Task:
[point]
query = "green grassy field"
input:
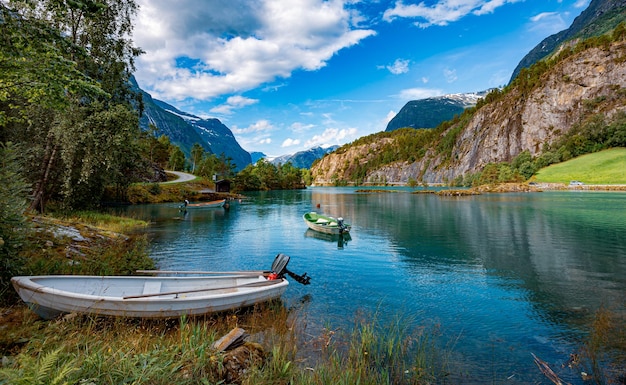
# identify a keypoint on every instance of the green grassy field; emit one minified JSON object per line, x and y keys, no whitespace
{"x":604,"y":167}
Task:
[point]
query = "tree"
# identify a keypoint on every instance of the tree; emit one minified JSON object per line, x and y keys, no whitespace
{"x":98,"y":151}
{"x":13,"y":224}
{"x":177,"y":160}
{"x":197,"y":152}
{"x":64,"y":69}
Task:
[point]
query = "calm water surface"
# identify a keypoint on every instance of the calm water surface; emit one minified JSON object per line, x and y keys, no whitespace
{"x":501,"y":275}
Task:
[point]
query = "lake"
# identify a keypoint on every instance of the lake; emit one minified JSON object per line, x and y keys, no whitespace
{"x":500,"y":276}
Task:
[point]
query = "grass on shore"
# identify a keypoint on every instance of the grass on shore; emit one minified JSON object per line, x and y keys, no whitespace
{"x":103,"y":221}
{"x":604,"y":168}
{"x":87,"y":350}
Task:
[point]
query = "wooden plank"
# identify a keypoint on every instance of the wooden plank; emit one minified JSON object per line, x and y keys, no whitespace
{"x":233,"y":337}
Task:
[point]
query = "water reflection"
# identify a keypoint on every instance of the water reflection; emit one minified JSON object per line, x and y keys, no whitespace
{"x":507,"y":274}
{"x":340,"y":240}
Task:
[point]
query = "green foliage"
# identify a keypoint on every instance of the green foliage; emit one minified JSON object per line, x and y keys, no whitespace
{"x":47,"y":369}
{"x":197,"y":153}
{"x":266,"y":176}
{"x":177,"y":160}
{"x":14,"y":228}
{"x":35,"y":68}
{"x":99,"y":149}
{"x":156,"y":149}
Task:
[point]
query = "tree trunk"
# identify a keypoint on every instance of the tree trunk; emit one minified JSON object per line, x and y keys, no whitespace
{"x":38,"y":195}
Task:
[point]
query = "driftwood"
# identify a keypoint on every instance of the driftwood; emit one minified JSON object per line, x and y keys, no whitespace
{"x":233,"y":339}
{"x":545,"y":369}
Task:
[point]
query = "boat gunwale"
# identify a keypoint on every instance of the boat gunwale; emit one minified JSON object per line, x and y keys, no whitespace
{"x":27,"y":283}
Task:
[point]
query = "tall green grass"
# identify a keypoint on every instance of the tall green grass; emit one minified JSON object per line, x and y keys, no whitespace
{"x":604,"y":167}
{"x":85,"y":350}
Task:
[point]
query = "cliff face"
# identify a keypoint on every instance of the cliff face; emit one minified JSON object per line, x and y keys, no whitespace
{"x":588,"y":83}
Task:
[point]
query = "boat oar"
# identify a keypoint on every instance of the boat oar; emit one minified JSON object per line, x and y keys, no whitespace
{"x":241,"y":272}
{"x":251,"y":284}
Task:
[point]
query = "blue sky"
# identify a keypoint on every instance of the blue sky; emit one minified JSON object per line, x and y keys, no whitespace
{"x":288,"y":75}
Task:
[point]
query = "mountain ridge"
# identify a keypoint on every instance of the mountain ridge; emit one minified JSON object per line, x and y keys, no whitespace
{"x":430,"y":112}
{"x":591,"y":82}
{"x":591,"y":22}
{"x":185,"y":129}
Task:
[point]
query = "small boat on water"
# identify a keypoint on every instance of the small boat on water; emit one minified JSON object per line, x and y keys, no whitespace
{"x":203,"y":205}
{"x":326,"y":224}
{"x":153,"y":296}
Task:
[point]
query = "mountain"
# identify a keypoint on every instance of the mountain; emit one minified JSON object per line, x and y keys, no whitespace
{"x":584,"y":89}
{"x":185,"y":130}
{"x":430,"y":112}
{"x":256,"y":156}
{"x":600,"y":17}
{"x":304,"y":159}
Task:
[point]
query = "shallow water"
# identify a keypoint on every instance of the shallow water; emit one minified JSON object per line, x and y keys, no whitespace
{"x":501,"y":275}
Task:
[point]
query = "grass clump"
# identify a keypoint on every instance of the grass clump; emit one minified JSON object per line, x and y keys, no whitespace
{"x":104,"y":221}
{"x":376,"y":352}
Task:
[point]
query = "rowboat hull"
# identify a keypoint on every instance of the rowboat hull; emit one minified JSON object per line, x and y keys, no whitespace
{"x":206,"y":205}
{"x":144,"y":297}
{"x":325,"y":224}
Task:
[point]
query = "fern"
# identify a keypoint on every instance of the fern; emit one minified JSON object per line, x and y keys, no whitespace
{"x":45,"y":371}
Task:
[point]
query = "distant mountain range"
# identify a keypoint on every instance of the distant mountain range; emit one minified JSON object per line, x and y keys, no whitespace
{"x":430,"y":112}
{"x":185,"y":130}
{"x":304,"y":159}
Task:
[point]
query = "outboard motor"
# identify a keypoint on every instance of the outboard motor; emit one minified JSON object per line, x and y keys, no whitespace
{"x":340,"y":224}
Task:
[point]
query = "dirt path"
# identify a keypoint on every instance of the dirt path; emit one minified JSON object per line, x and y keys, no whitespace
{"x":182,"y":177}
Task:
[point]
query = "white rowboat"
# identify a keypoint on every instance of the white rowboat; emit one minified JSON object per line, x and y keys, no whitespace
{"x":146,"y":297}
{"x":153,"y":297}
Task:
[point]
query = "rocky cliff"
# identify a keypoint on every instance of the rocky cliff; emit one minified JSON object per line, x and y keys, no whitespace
{"x":587,"y":83}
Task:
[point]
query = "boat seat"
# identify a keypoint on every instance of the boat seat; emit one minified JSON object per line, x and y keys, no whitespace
{"x":151,"y":287}
{"x":321,"y":221}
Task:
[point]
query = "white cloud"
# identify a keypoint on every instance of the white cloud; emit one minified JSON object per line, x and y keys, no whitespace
{"x":449,"y":75}
{"x":418,"y":93}
{"x":547,"y":23}
{"x":290,"y":142}
{"x":233,"y":102}
{"x":442,"y":12}
{"x":543,"y":15}
{"x":331,"y":136}
{"x":258,"y":126}
{"x":400,"y":66}
{"x":301,"y":127}
{"x":201,"y":50}
{"x":390,"y":115}
{"x":581,"y":4}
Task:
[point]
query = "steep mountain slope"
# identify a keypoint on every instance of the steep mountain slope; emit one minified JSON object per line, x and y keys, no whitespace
{"x":185,"y":130}
{"x":589,"y":82}
{"x":600,"y":17}
{"x":304,"y":159}
{"x":430,"y":112}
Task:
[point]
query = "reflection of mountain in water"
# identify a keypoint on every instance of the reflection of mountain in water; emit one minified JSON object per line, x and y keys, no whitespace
{"x":566,"y":250}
